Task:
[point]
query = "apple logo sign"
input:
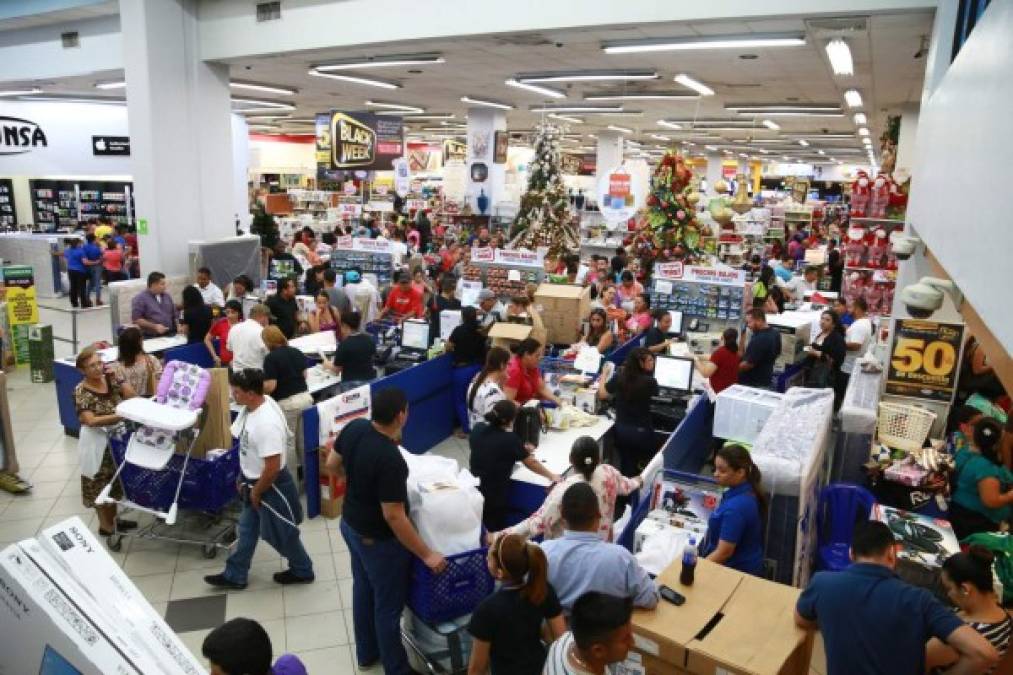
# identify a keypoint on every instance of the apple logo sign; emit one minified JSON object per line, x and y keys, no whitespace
{"x":100,"y":144}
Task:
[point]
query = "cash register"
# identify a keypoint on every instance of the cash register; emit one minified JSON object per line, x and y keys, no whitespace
{"x":674,"y":375}
{"x":414,"y":345}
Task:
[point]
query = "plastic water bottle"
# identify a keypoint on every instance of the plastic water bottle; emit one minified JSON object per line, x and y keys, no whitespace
{"x":688,"y":563}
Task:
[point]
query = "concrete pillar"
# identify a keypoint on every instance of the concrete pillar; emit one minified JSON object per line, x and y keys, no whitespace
{"x":610,"y":153}
{"x":907,"y":140}
{"x":180,"y":129}
{"x":483,"y":123}
{"x":713,"y":173}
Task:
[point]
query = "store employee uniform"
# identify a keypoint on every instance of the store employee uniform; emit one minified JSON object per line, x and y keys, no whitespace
{"x":737,"y":521}
{"x":376,"y":473}
{"x":872,"y":622}
{"x":262,"y":433}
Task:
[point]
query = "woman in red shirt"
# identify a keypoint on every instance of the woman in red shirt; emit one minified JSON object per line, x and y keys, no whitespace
{"x":112,"y":261}
{"x":220,"y":329}
{"x":523,"y":379}
{"x":723,"y":365}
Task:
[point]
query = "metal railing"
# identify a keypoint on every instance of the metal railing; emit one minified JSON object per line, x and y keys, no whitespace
{"x":73,"y":311}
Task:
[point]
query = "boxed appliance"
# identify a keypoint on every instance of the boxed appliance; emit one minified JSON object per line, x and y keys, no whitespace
{"x":587,"y":400}
{"x":563,"y":307}
{"x":741,"y":412}
{"x":796,"y":333}
{"x":925,"y":543}
{"x":40,"y":352}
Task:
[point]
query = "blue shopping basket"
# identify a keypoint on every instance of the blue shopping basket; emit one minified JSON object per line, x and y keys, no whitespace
{"x":452,"y":593}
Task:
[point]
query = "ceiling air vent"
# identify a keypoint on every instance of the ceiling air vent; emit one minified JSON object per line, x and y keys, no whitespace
{"x":268,"y":11}
{"x":70,"y":40}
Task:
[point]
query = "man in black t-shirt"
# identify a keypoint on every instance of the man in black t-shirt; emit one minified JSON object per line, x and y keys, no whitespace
{"x":375,"y":526}
{"x":284,"y":308}
{"x":354,"y":355}
{"x":757,"y":366}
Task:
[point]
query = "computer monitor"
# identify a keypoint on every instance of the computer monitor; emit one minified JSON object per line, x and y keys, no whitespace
{"x":415,"y":335}
{"x":676,"y":328}
{"x":674,"y":372}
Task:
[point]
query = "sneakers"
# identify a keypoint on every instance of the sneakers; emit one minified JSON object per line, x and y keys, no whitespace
{"x":288,"y":577}
{"x":13,"y":484}
{"x":220,"y":581}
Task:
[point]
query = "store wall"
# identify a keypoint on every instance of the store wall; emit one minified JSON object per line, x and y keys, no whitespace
{"x":959,"y":193}
{"x":38,"y":53}
{"x":282,"y":154}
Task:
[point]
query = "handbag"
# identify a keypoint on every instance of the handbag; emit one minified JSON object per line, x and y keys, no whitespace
{"x":152,"y":385}
{"x":819,"y":375}
{"x":91,"y":446}
{"x":528,"y":425}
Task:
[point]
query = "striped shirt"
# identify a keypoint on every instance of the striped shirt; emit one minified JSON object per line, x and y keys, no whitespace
{"x":559,"y":663}
{"x":997,"y":634}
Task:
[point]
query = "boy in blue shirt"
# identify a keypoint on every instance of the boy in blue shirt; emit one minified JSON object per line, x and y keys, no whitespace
{"x":93,"y":265}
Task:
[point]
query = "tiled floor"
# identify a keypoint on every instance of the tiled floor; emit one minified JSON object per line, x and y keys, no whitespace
{"x":312,"y":621}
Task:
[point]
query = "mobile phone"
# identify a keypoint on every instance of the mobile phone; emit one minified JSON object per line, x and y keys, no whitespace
{"x":672,"y":596}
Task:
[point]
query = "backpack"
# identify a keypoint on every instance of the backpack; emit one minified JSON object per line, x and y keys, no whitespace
{"x":528,"y":424}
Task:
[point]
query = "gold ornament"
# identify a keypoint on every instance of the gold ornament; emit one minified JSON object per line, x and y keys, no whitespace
{"x":741,"y":202}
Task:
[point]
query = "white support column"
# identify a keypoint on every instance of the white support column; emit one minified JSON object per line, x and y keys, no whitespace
{"x":483,"y":123}
{"x":713,"y":174}
{"x":610,"y":153}
{"x":180,"y":129}
{"x":907,"y":139}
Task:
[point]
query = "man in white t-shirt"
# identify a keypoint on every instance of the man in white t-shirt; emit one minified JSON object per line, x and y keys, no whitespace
{"x":211,"y":294}
{"x":271,"y":508}
{"x":798,"y":286}
{"x":600,"y":636}
{"x":859,"y":335}
{"x":244,"y":341}
{"x":363,"y":295}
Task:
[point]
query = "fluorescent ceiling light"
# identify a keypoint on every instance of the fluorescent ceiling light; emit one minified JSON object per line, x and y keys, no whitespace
{"x":565,"y":118}
{"x":820,"y":152}
{"x":860,"y":118}
{"x":546,"y":91}
{"x":265,"y":118}
{"x":623,"y":130}
{"x":660,"y":137}
{"x":670,"y":125}
{"x":488,"y":104}
{"x":853,"y":98}
{"x":587,"y":109}
{"x":803,"y":142}
{"x":817,"y":136}
{"x":269,"y":88}
{"x":21,"y":92}
{"x":770,"y":124}
{"x":862,"y":131}
{"x":276,"y":105}
{"x":796,"y":113}
{"x":355,"y":79}
{"x":742,"y":154}
{"x":589,"y":76}
{"x":840,"y":57}
{"x":697,"y":86}
{"x":707,"y":42}
{"x":116,"y":84}
{"x":429,"y":116}
{"x":395,"y":106}
{"x":867,"y":141}
{"x":384,"y":62}
{"x":56,"y":98}
{"x":782,"y":107}
{"x":299,"y":120}
{"x":641,"y":96}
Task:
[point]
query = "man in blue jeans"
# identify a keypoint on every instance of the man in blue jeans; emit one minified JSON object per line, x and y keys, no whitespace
{"x":271,"y":508}
{"x":375,"y":525}
{"x":93,"y":264}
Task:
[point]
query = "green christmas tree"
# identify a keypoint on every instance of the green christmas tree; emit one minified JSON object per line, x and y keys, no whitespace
{"x":671,"y":210}
{"x":544,"y":215}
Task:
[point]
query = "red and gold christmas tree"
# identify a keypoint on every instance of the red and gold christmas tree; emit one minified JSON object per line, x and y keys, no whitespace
{"x":671,"y":211}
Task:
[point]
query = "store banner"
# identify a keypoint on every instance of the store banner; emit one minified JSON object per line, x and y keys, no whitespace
{"x":578,"y":164}
{"x":617,"y":203}
{"x":485,"y":255}
{"x":358,"y":140}
{"x":402,"y":178}
{"x":924,"y":359}
{"x":723,"y":276}
{"x":425,"y":158}
{"x":519,"y":257}
{"x":335,"y":413}
{"x":22,"y":307}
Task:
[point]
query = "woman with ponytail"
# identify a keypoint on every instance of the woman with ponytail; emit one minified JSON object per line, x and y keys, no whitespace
{"x":735,"y":529}
{"x":984,"y":487}
{"x":606,"y":481}
{"x":494,"y":450}
{"x":506,"y":629}
{"x":487,"y":387}
{"x":967,"y":579}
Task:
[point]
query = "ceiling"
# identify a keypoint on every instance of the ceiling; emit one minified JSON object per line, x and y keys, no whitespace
{"x":15,"y":15}
{"x":887,"y":75}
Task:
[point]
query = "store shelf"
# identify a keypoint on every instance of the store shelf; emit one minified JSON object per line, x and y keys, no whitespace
{"x":869,"y":269}
{"x":872,"y":221}
{"x":8,"y":217}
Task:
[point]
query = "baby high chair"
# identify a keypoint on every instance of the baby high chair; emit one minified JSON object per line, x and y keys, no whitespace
{"x":162,"y":422}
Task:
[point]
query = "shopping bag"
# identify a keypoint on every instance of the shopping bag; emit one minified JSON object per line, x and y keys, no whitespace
{"x":91,"y":445}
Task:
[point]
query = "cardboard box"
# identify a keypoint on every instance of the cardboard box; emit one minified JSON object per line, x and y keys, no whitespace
{"x":563,"y":307}
{"x":505,"y":334}
{"x":665,"y":632}
{"x":756,"y":633}
{"x":40,"y":352}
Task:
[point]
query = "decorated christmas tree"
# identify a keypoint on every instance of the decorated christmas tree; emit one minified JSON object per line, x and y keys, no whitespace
{"x":671,"y":211}
{"x":544,"y":215}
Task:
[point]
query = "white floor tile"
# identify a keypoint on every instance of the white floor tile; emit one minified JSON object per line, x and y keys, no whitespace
{"x":154,"y":587}
{"x":43,"y":491}
{"x":16,"y":530}
{"x":320,"y":596}
{"x":276,"y":631}
{"x":317,"y":542}
{"x":193,"y":641}
{"x":260,"y":605}
{"x":160,"y":561}
{"x":315,"y":631}
{"x":343,"y":565}
{"x":29,"y":508}
{"x":332,"y":660}
{"x":53,"y":473}
{"x":345,"y":589}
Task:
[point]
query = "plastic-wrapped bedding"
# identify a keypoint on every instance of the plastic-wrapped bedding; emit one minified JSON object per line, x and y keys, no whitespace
{"x":861,"y":403}
{"x":793,"y":434}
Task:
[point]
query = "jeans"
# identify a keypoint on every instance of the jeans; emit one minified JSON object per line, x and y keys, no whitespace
{"x":463,"y":376}
{"x":283,"y":537}
{"x":78,"y":288}
{"x":379,"y":591}
{"x":95,"y":282}
{"x":636,"y":447}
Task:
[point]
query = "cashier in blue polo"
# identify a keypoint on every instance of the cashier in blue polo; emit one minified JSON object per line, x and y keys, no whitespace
{"x":875,"y":624}
{"x":735,"y":529}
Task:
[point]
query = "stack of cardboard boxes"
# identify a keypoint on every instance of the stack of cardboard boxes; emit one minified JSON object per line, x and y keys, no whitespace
{"x":563,"y":308}
{"x":731,"y":623}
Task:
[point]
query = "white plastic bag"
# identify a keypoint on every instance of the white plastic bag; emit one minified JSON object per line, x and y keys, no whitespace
{"x":91,"y":445}
{"x":661,"y":548}
{"x":449,"y":517}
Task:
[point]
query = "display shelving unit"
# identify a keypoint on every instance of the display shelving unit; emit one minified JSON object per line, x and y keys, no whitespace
{"x":54,"y":203}
{"x":871,"y":271}
{"x":110,"y":199}
{"x":8,"y":214}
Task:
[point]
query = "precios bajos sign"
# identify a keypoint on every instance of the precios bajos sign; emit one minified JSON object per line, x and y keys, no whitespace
{"x":19,"y":136}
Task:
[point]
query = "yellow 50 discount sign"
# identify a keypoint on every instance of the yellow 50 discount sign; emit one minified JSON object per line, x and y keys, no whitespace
{"x":924,"y":359}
